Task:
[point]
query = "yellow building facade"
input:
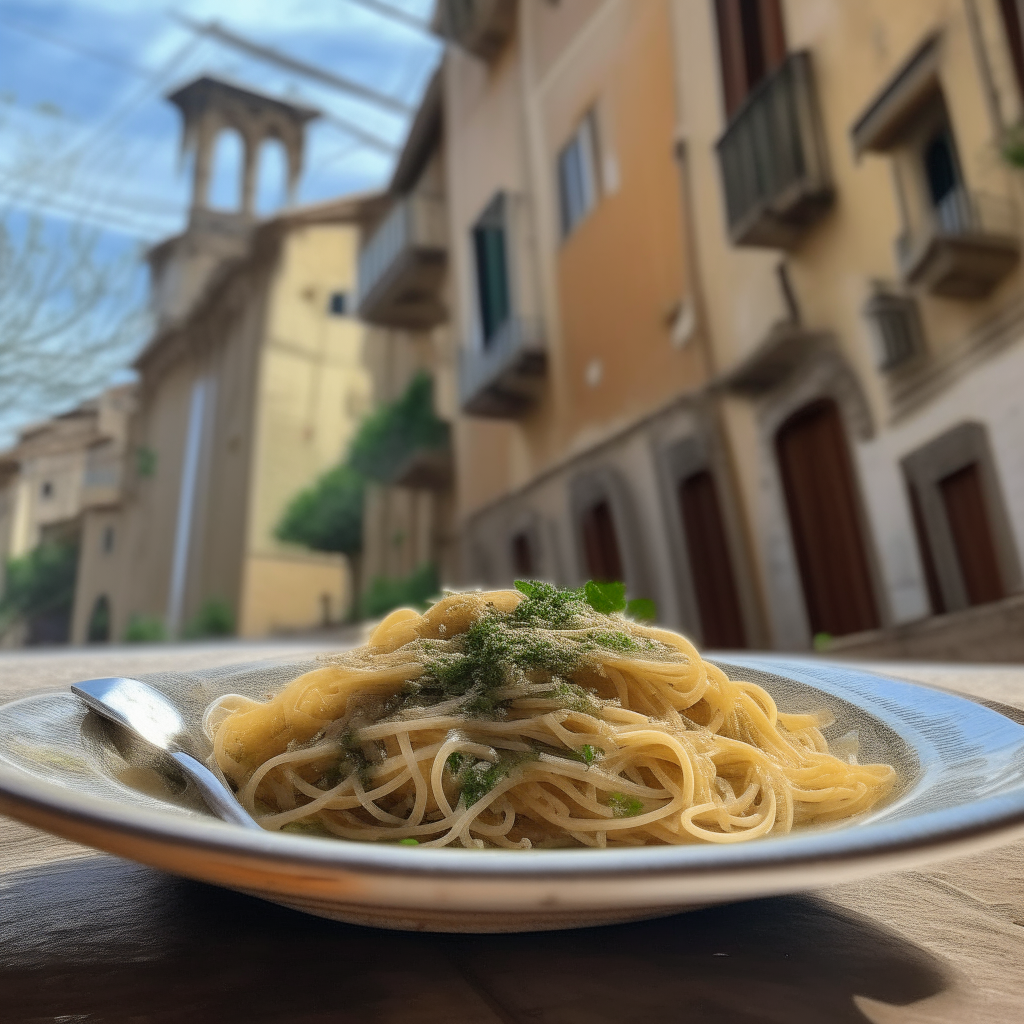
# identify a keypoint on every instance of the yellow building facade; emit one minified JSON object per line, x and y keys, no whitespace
{"x":250,"y":389}
{"x":737,"y":296}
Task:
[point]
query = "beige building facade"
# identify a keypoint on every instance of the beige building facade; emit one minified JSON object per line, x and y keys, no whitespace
{"x":59,"y":475}
{"x":249,"y":390}
{"x":859,"y":245}
{"x":736,"y":293}
{"x":403,"y":298}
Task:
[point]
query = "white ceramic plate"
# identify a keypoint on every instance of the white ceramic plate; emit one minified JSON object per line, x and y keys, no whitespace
{"x":962,"y":789}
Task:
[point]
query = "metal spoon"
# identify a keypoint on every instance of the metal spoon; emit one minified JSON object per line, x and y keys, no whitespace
{"x":150,"y":715}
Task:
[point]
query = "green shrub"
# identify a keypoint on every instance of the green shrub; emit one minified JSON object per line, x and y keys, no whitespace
{"x":41,"y":583}
{"x":386,"y":594}
{"x":214,"y":618}
{"x":388,"y":436}
{"x":145,"y":629}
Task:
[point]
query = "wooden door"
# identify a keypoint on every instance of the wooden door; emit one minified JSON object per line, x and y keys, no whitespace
{"x":821,"y":499}
{"x":964,"y":499}
{"x":714,"y":583}
{"x":522,"y":556}
{"x":601,"y":545}
{"x":751,"y":45}
{"x":924,"y":549}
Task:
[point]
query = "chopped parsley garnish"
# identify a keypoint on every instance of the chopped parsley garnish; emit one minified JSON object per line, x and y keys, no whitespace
{"x":624,"y":806}
{"x":408,"y":842}
{"x":589,"y":754}
{"x":545,"y":639}
{"x":477,"y":778}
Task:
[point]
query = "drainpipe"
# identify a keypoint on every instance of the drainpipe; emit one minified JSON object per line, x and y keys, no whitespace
{"x":186,"y":508}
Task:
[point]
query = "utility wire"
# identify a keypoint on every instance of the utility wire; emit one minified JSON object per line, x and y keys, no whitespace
{"x":67,"y":44}
{"x":395,"y":13}
{"x":214,"y":30}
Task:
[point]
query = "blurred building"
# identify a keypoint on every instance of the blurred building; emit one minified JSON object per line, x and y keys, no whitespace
{"x":859,"y":235}
{"x":736,"y":293}
{"x":61,"y":473}
{"x":250,"y":389}
{"x":403,"y":298}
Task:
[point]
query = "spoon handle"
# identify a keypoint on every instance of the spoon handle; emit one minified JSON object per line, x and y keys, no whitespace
{"x":217,"y":798}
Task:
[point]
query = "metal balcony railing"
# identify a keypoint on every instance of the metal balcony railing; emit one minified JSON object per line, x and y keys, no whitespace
{"x":964,"y":247}
{"x":504,"y":377}
{"x":401,"y":266}
{"x":773,"y":160}
{"x":103,"y":475}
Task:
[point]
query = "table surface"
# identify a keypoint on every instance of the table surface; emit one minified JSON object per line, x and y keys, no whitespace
{"x":87,"y":937}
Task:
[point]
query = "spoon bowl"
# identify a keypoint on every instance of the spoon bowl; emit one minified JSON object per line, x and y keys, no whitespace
{"x":148,"y":714}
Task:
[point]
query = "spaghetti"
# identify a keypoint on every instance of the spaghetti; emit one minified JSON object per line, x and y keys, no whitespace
{"x":530,"y":719}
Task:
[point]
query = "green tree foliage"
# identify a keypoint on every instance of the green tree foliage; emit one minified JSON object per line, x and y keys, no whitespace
{"x":327,"y":516}
{"x":388,"y":436}
{"x":40,"y":583}
{"x":416,"y":589}
{"x":214,"y":618}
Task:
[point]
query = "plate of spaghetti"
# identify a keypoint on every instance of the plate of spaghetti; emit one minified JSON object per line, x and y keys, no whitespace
{"x":530,"y":758}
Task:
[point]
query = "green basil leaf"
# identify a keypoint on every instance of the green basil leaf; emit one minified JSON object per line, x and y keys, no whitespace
{"x":606,"y":597}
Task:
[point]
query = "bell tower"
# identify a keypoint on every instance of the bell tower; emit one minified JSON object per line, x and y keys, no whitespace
{"x":210,"y":105}
{"x":182,"y":266}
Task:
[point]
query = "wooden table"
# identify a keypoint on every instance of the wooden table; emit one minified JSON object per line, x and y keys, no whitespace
{"x":87,"y":937}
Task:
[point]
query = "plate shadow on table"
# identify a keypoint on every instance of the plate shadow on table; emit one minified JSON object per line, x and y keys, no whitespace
{"x":106,"y":940}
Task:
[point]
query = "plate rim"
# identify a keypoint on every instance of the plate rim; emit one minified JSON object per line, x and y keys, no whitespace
{"x":930,"y":835}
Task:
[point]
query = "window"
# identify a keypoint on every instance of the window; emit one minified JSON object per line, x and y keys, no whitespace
{"x":108,"y":539}
{"x":46,"y":490}
{"x":600,"y":544}
{"x":751,"y":43}
{"x":945,"y":189}
{"x":577,"y":175}
{"x":897,"y":327}
{"x":523,"y":562}
{"x":489,"y":249}
{"x":339,"y":304}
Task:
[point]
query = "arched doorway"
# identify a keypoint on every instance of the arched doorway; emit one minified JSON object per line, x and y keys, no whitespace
{"x":601,"y":543}
{"x":98,"y":631}
{"x":821,"y":499}
{"x":714,"y":582}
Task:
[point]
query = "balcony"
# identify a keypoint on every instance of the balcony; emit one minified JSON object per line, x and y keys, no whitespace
{"x":102,"y":479}
{"x":482,"y":27}
{"x":401,"y":267}
{"x":965,"y":246}
{"x":426,"y":468}
{"x":503,"y":378}
{"x":773,"y":160}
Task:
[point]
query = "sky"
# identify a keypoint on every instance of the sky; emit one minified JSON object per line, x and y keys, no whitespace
{"x":86,"y":136}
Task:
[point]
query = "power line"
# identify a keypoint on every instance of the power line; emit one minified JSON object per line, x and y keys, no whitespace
{"x":215,"y":30}
{"x":74,"y":47}
{"x":395,"y":13}
{"x":361,"y":133}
